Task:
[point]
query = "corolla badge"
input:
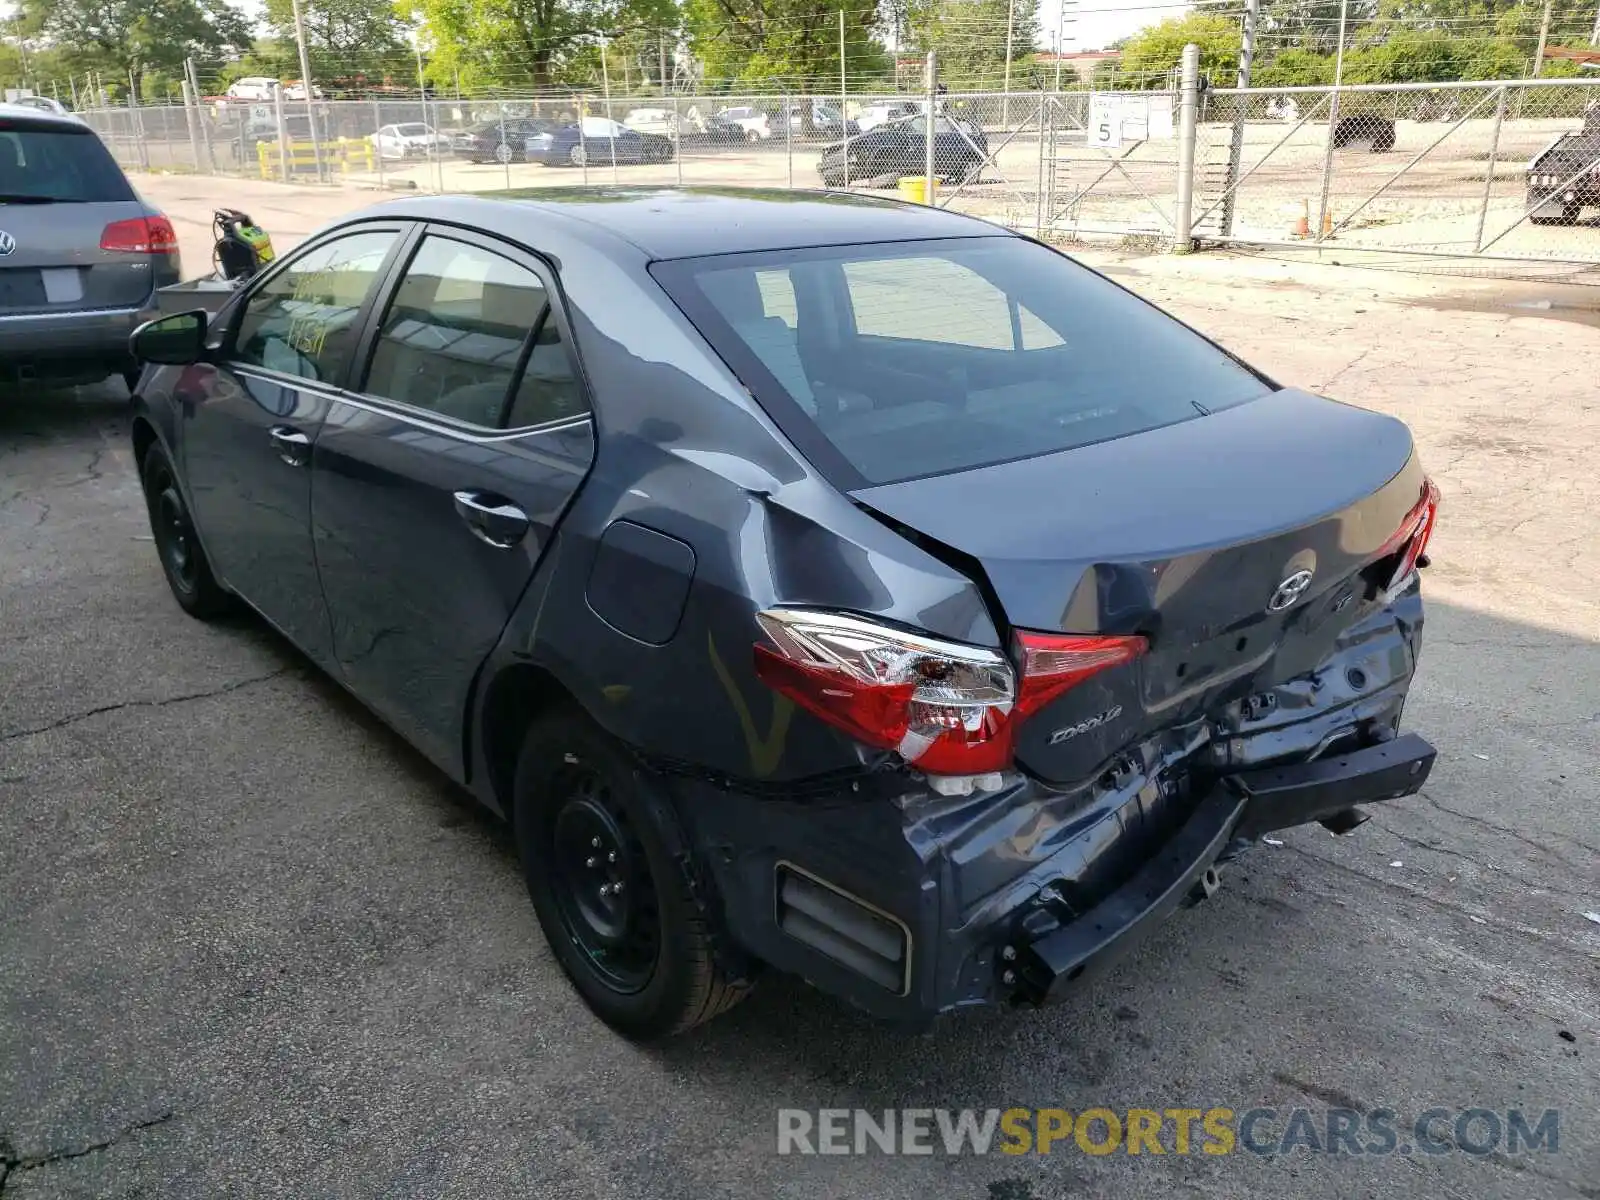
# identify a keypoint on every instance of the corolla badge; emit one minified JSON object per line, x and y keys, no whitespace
{"x":1290,"y":590}
{"x":7,"y":243}
{"x":1094,"y":722}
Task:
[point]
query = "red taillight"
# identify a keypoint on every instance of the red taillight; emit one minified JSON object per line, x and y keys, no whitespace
{"x":949,"y":709}
{"x":140,"y":235}
{"x":1413,"y":533}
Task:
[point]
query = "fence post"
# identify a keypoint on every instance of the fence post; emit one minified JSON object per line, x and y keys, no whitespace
{"x":377,"y":146}
{"x":1488,"y":174}
{"x":190,"y":120}
{"x":1188,"y":104}
{"x":930,"y":188}
{"x":1327,"y":163}
{"x":677,"y":129}
{"x":1236,"y":145}
{"x":788,"y":138}
{"x":283,"y":133}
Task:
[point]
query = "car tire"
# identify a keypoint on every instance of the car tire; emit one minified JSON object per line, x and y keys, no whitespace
{"x":503,"y":154}
{"x":183,"y":559}
{"x":751,"y":136}
{"x":578,"y":156}
{"x":586,"y":815}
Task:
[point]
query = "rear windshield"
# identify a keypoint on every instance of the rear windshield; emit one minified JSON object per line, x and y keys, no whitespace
{"x":411,"y":130}
{"x":891,"y":361}
{"x":38,"y":165}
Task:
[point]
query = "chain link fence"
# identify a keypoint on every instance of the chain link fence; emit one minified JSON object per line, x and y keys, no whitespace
{"x":1495,"y":173}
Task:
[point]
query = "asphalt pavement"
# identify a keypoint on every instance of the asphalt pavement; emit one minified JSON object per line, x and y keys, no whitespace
{"x":251,"y":944}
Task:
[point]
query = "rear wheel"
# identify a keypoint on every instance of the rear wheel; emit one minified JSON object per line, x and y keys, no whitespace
{"x":182,"y":558}
{"x":608,"y":874}
{"x":502,"y":153}
{"x":751,"y":136}
{"x":578,"y":156}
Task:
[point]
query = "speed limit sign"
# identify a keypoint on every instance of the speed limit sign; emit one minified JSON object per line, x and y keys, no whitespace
{"x":1105,"y":120}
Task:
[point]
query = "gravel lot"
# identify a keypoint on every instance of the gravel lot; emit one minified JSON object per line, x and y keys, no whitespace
{"x":250,"y":944}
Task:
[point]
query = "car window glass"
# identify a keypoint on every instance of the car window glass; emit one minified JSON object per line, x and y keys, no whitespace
{"x":59,"y":164}
{"x":961,"y":353}
{"x":777,"y":296}
{"x":902,"y":298}
{"x":454,"y":331}
{"x":548,"y":390}
{"x":600,"y":127}
{"x":302,"y":320}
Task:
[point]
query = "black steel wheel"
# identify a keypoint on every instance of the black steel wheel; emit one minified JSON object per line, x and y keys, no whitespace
{"x":620,"y":896}
{"x":183,"y":560}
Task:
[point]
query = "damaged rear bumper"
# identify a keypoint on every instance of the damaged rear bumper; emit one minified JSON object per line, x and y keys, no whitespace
{"x":1244,"y":805}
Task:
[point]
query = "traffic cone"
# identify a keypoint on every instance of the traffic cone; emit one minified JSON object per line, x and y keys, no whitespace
{"x":1327,"y":224}
{"x":1302,"y":227}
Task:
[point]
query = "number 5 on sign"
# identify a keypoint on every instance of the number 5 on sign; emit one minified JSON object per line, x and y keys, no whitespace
{"x":1105,"y":121}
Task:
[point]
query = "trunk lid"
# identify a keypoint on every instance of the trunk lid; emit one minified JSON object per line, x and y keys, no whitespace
{"x":1196,"y":535}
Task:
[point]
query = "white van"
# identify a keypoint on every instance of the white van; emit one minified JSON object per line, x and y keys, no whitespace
{"x":252,"y":87}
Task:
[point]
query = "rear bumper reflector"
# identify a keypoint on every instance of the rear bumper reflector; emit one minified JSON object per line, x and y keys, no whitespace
{"x":845,"y":929}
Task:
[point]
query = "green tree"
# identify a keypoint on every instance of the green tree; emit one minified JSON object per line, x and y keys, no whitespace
{"x":1294,"y":67}
{"x":790,"y":44}
{"x":512,"y":43}
{"x":1154,"y":51}
{"x":970,"y":38}
{"x":344,"y":38}
{"x":119,"y":37}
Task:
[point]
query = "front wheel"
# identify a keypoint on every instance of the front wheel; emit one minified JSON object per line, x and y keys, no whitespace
{"x":503,"y":153}
{"x":751,"y":136}
{"x":182,"y":559}
{"x":610,"y":879}
{"x":578,"y":156}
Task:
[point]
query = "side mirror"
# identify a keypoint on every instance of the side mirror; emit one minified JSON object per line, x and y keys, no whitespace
{"x":177,"y":340}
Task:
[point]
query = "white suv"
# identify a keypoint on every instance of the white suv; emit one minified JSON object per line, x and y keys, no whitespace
{"x":756,"y":124}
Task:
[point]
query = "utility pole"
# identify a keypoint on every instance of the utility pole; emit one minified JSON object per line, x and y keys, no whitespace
{"x":1252,"y":11}
{"x":661,"y":48}
{"x":305,"y":82}
{"x":1338,"y":60}
{"x":1005,"y":99}
{"x":1594,"y":38}
{"x":1544,"y":32}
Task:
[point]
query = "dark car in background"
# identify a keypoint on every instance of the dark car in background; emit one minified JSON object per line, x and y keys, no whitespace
{"x":499,"y":141}
{"x":900,"y":147}
{"x":814,"y":582}
{"x":596,"y":141}
{"x":81,"y":255}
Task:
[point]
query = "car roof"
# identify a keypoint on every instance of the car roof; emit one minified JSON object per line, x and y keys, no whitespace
{"x":39,"y":118}
{"x":692,"y":222}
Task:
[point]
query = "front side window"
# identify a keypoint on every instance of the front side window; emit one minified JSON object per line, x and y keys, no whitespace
{"x":302,"y":321}
{"x":890,"y":361}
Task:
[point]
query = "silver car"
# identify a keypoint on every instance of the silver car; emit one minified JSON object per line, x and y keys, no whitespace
{"x":81,"y":255}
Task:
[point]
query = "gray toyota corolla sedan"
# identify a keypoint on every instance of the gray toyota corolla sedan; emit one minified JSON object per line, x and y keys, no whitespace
{"x":815,"y":582}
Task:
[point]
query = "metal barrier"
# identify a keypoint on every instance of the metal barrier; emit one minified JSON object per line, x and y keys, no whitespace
{"x":284,"y":159}
{"x":1493,"y":174}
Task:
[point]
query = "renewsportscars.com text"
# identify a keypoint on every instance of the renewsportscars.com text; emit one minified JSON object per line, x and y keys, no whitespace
{"x":1135,"y":1131}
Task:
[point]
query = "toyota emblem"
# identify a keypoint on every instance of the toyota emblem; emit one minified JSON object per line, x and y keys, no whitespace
{"x":7,"y":243}
{"x":1290,"y":590}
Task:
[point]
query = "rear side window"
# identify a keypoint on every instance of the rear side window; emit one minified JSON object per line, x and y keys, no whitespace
{"x":302,"y":321}
{"x":890,"y":361}
{"x":470,"y":335}
{"x":59,"y":164}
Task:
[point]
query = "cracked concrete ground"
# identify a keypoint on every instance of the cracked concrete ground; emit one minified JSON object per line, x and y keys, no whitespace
{"x":250,"y":944}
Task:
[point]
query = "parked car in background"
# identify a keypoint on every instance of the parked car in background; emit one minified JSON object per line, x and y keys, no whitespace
{"x":755,"y":122}
{"x":252,"y":87}
{"x":874,"y":115}
{"x":1564,"y":177}
{"x":900,"y":148}
{"x":826,"y":121}
{"x":888,"y":600}
{"x":660,"y":121}
{"x":689,"y":126}
{"x":81,"y":255}
{"x":412,"y":139}
{"x":501,"y":141}
{"x":296,"y":90}
{"x":1373,"y":128}
{"x":43,"y":104}
{"x":596,"y":141}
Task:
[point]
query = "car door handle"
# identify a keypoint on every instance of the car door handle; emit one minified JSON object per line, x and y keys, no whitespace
{"x":292,"y":446}
{"x":492,"y":518}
